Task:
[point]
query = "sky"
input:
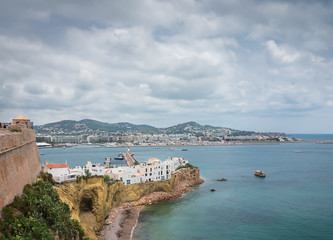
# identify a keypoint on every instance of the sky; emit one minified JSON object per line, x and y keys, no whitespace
{"x":249,"y":65}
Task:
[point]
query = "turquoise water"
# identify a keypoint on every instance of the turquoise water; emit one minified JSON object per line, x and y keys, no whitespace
{"x":294,"y":201}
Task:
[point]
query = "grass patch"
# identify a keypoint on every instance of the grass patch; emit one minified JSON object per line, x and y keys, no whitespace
{"x":187,"y":165}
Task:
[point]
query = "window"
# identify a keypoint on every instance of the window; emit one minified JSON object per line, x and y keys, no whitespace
{"x":146,"y":174}
{"x":150,"y":174}
{"x":128,"y":182}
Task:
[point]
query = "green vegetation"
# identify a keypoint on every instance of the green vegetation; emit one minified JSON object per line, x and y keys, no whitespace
{"x":46,"y":177}
{"x":16,"y":129}
{"x":187,"y":165}
{"x":87,"y":173}
{"x":107,"y":178}
{"x":39,"y":214}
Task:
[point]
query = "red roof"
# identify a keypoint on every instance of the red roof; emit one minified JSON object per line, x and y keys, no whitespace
{"x":57,"y":165}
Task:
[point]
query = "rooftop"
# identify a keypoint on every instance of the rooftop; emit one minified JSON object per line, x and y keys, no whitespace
{"x":56,"y":165}
{"x":22,"y":117}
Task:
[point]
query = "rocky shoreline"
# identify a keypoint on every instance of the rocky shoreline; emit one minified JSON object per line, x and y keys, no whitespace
{"x":123,"y":219}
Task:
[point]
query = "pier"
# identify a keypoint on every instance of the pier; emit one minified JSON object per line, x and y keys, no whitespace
{"x":130,"y":160}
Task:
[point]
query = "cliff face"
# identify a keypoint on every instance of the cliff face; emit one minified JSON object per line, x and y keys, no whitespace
{"x":91,"y":200}
{"x":19,"y":163}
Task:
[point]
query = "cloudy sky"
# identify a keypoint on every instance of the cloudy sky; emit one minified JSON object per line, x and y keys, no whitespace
{"x":250,"y":65}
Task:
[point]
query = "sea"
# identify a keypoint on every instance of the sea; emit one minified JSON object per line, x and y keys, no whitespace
{"x":294,"y":201}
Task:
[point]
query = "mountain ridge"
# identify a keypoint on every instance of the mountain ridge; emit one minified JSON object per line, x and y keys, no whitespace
{"x":94,"y":126}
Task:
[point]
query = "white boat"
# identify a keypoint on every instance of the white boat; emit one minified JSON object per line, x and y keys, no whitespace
{"x":259,"y":173}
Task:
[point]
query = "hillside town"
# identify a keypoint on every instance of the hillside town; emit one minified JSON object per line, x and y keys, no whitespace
{"x":126,"y":134}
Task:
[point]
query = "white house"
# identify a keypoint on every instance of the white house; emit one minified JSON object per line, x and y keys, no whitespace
{"x":59,"y":171}
{"x":95,"y":168}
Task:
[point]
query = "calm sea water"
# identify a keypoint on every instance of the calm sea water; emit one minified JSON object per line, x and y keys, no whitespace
{"x":312,"y":137}
{"x":294,"y":201}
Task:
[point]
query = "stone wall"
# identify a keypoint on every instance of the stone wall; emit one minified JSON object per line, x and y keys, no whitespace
{"x":19,"y":163}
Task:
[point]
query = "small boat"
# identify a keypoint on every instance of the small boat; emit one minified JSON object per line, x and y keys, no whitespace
{"x":173,"y":149}
{"x":120,"y":156}
{"x":184,"y":149}
{"x":259,"y":173}
{"x":212,"y":190}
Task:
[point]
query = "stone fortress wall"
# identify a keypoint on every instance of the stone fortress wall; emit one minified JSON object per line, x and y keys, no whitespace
{"x":19,"y":163}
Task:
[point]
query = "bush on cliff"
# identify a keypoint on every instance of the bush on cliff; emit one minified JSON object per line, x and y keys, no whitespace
{"x":39,"y":214}
{"x":187,"y":165}
{"x":107,"y":178}
{"x":46,"y":177}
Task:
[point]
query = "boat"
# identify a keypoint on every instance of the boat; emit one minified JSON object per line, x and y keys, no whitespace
{"x":173,"y":149}
{"x":184,"y":149}
{"x":259,"y":173}
{"x":120,"y":156}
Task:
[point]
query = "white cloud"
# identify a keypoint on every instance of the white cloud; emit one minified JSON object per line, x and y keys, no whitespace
{"x":281,"y":54}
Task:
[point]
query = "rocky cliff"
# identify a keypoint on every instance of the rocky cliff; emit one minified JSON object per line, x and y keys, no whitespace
{"x":91,"y":200}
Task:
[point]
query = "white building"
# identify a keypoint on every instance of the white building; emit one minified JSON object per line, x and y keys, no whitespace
{"x":95,"y":169}
{"x":152,"y":170}
{"x":60,"y":172}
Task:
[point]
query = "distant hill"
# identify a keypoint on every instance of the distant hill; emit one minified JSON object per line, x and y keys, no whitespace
{"x":88,"y":126}
{"x":190,"y":127}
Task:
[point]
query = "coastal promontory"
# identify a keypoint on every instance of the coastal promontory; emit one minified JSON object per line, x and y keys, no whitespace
{"x":91,"y":200}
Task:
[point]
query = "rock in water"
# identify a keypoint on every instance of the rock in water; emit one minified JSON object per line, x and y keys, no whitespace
{"x":259,"y":173}
{"x":222,"y":180}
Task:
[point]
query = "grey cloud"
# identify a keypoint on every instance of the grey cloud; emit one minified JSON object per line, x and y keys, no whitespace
{"x":167,"y":61}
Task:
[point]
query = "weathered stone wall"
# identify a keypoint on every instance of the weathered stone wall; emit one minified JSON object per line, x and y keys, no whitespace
{"x":19,"y":163}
